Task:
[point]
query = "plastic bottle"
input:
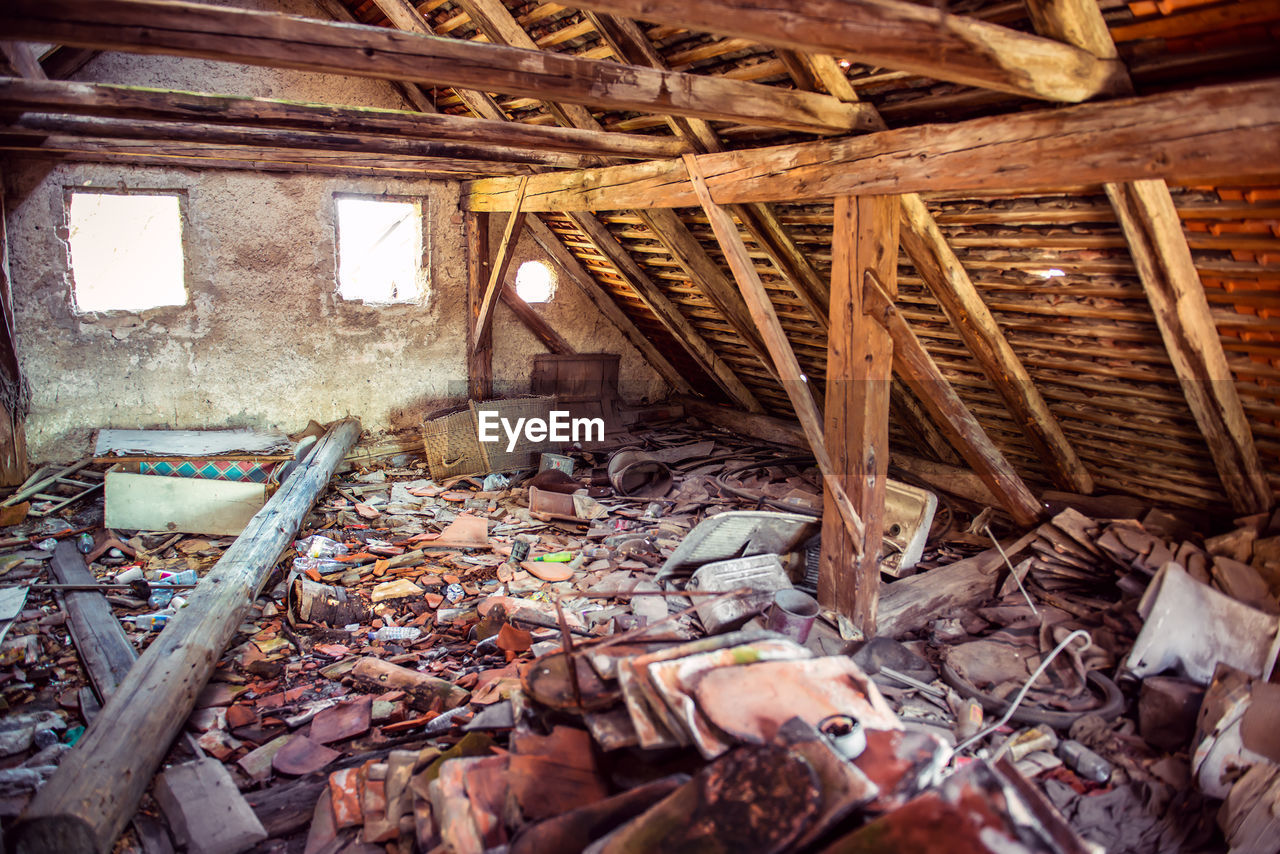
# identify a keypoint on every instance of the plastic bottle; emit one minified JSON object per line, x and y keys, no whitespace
{"x":159,"y":597}
{"x":394,"y":633}
{"x":187,"y":576}
{"x":149,"y":622}
{"x":1084,"y":761}
{"x":320,"y":565}
{"x":84,"y":543}
{"x":317,"y":546}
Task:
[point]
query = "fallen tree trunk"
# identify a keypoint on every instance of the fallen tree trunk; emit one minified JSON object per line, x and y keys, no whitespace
{"x":96,"y":789}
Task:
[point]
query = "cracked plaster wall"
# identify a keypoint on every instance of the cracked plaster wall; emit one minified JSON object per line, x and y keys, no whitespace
{"x":264,"y":340}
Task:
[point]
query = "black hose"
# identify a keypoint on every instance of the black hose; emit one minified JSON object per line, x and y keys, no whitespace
{"x":1112,"y":704}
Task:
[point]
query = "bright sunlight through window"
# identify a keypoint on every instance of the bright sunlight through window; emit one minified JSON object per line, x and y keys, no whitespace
{"x":126,"y":251}
{"x":379,"y":250}
{"x":533,"y":282}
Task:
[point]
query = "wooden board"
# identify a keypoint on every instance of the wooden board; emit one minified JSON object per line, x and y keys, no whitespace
{"x":144,"y":502}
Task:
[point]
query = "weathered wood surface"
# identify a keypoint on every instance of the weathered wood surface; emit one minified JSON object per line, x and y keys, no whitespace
{"x":498,"y":267}
{"x":899,"y":35}
{"x":571,"y":267}
{"x":97,"y":787}
{"x":859,"y":378}
{"x":98,"y":636}
{"x":908,"y":604}
{"x":479,"y":354}
{"x":921,"y":374}
{"x":785,"y":364}
{"x":959,"y":299}
{"x":262,"y":38}
{"x":1177,"y":298}
{"x":127,"y":102}
{"x":1232,"y":129}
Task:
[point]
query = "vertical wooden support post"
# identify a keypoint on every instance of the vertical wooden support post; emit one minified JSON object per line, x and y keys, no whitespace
{"x":13,"y":390}
{"x":859,"y":377}
{"x":479,"y":354}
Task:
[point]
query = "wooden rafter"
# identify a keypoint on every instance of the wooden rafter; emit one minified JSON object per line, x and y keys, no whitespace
{"x":571,"y":267}
{"x":95,"y":127}
{"x":498,"y":274}
{"x":1172,"y":285}
{"x":496,"y":22}
{"x":413,"y":94}
{"x":677,"y":325}
{"x":535,"y":322}
{"x":1231,"y":129}
{"x":896,"y":34}
{"x":263,"y":38}
{"x":921,"y":374}
{"x":968,"y":314}
{"x":479,"y":353}
{"x":128,"y":102}
{"x":787,"y":367}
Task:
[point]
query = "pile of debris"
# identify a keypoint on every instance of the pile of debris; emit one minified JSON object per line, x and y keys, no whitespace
{"x":620,"y":653}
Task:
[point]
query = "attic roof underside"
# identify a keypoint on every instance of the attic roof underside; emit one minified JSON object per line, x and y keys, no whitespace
{"x":1087,"y":336}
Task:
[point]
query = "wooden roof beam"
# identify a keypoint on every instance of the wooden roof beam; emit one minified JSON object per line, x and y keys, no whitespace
{"x":900,"y":35}
{"x":353,"y":143}
{"x":1230,"y":129}
{"x":264,"y":38}
{"x":1160,"y":252}
{"x":129,"y":102}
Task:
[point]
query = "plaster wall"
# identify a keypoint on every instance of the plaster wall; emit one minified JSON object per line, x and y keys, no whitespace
{"x":264,"y":340}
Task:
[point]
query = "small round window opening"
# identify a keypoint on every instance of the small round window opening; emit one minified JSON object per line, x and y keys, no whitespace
{"x":534,"y":282}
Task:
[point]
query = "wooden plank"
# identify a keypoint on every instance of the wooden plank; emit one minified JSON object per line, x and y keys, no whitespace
{"x":269,"y":38}
{"x":1172,"y":285}
{"x":60,"y":146}
{"x":99,"y":639}
{"x":859,"y":377}
{"x":356,"y":143}
{"x":677,"y":325}
{"x":899,"y":35}
{"x":921,"y":374}
{"x":793,"y":380}
{"x":99,"y":782}
{"x":128,"y":102}
{"x":571,"y":268}
{"x":14,"y":466}
{"x":969,"y":315}
{"x":535,"y":322}
{"x":156,"y":503}
{"x":479,"y":355}
{"x":498,"y":273}
{"x":1232,"y":129}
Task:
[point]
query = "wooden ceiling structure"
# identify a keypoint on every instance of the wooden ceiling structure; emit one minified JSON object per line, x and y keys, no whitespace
{"x":1081,"y":234}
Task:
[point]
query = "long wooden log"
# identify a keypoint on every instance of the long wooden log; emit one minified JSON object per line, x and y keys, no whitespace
{"x":354,"y":143}
{"x":97,"y":787}
{"x":1232,"y":129}
{"x":129,"y":102}
{"x":921,"y":374}
{"x":896,"y":34}
{"x":269,"y":38}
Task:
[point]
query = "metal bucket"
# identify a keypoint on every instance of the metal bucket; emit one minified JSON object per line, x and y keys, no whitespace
{"x":792,"y":614}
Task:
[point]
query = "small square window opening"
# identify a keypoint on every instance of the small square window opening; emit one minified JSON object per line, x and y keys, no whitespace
{"x":126,"y":251}
{"x":534,"y":282}
{"x":379,"y":250}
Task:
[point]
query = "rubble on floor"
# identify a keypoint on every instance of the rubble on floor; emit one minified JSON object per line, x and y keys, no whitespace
{"x":551,"y":664}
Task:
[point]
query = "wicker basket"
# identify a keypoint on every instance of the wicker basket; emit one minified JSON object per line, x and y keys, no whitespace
{"x":496,"y":455}
{"x":451,"y":446}
{"x":454,"y":449}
